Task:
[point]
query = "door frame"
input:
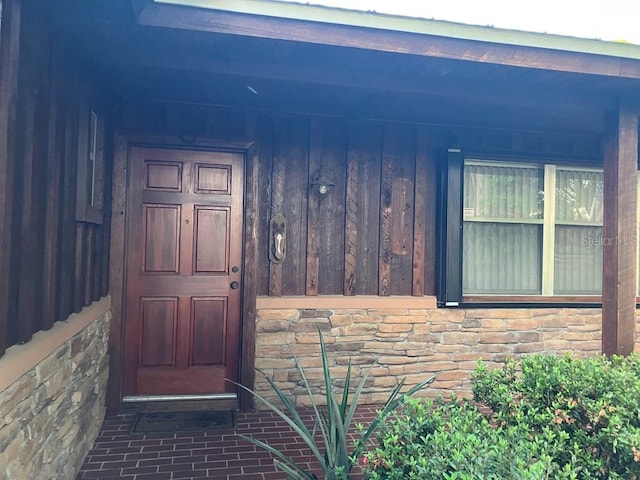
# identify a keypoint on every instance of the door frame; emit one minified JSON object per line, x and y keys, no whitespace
{"x":123,"y":141}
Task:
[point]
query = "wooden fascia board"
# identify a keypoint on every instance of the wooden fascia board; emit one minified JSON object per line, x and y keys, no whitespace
{"x":218,"y":21}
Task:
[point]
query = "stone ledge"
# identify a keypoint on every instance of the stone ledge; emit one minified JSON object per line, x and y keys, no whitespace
{"x":335,"y":302}
{"x":20,"y":359}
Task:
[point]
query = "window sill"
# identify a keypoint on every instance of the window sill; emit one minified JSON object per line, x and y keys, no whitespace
{"x":532,"y":300}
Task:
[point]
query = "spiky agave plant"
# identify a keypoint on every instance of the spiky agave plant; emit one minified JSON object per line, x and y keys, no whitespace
{"x":331,"y":446}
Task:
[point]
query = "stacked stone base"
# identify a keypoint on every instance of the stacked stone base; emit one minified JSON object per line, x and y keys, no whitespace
{"x":412,"y":344}
{"x":51,"y":415}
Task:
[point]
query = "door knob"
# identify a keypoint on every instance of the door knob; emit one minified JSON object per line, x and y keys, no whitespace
{"x":234,"y":285}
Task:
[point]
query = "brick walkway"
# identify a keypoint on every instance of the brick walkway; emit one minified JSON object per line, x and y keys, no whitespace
{"x":117,"y":453}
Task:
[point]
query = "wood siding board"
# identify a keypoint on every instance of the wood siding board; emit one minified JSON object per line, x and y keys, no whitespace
{"x":9,"y":56}
{"x":365,"y":144}
{"x":25,"y":270}
{"x":420,"y":221}
{"x":291,"y":154}
{"x":351,"y":219}
{"x":386,"y":191}
{"x":316,"y":144}
{"x":265,"y":133}
{"x":277,"y":201}
{"x":332,"y":209}
{"x":620,"y":224}
{"x":401,"y":145}
{"x":52,"y":198}
{"x":80,"y":266}
{"x":89,"y":263}
{"x":67,"y":241}
{"x":37,"y":78}
{"x":430,"y":214}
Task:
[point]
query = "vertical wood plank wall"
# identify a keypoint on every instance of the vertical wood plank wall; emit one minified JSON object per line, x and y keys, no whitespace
{"x":372,"y":234}
{"x":51,"y":264}
{"x":358,"y":239}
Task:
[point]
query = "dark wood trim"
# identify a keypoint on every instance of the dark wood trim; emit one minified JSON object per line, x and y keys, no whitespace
{"x":532,"y":299}
{"x":619,"y":280}
{"x":122,"y":143}
{"x":451,"y":273}
{"x":9,"y":57}
{"x":117,"y":270}
{"x":251,"y":265}
{"x":218,"y":21}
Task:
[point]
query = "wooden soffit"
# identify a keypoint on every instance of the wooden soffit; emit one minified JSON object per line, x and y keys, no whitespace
{"x":388,"y":33}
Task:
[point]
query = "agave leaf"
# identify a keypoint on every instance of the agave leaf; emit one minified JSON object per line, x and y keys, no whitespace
{"x":291,"y":408}
{"x":330,"y":439}
{"x":345,"y":392}
{"x":320,"y":421}
{"x":292,"y":468}
{"x":293,"y":473}
{"x":340,"y":447}
{"x":300,"y":429}
{"x":356,"y":397}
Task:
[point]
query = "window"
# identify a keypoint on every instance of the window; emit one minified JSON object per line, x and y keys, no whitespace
{"x":91,"y":170}
{"x":529,"y":229}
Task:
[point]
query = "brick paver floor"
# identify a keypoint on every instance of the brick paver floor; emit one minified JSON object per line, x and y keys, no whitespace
{"x":117,"y":453}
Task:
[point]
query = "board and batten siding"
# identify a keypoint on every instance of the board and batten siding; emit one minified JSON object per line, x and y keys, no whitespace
{"x":371,"y":234}
{"x":53,"y":256}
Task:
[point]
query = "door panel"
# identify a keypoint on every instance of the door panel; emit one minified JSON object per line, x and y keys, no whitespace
{"x":182,"y":322}
{"x":160,"y":247}
{"x":211,"y":249}
{"x":159,"y":318}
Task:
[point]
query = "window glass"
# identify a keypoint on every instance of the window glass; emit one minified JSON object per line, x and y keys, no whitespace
{"x":578,"y":233}
{"x":512,"y":245}
{"x":503,"y":211}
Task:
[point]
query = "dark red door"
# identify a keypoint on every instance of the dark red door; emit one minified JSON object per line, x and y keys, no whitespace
{"x":184,"y":254}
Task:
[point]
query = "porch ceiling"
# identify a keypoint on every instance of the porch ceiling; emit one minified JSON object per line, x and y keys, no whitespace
{"x":215,"y":68}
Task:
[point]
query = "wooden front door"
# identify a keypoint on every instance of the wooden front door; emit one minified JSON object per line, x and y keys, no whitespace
{"x":184,"y":255}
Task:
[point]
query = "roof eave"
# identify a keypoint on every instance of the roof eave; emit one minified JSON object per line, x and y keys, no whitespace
{"x":374,"y":31}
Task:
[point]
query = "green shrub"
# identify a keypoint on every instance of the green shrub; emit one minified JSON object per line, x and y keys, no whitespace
{"x":590,"y":406}
{"x":453,"y":440}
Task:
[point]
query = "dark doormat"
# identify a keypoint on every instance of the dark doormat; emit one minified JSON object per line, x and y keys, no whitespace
{"x":167,"y":422}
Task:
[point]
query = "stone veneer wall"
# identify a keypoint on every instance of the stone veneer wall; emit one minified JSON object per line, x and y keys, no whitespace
{"x":412,"y":343}
{"x":51,"y":414}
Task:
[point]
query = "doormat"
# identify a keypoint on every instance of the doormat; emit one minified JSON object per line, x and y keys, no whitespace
{"x":168,"y":422}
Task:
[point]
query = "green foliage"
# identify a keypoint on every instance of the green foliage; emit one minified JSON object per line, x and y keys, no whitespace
{"x":327,"y":439}
{"x":549,"y":418}
{"x":453,"y":440}
{"x":589,"y":406}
